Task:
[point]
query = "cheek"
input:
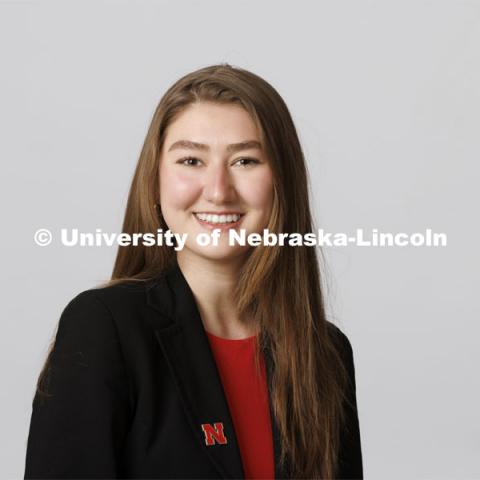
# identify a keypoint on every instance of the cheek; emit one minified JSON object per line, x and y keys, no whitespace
{"x":177,"y":189}
{"x":257,"y":190}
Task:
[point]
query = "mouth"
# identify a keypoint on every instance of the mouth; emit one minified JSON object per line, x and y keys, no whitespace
{"x":222,"y":221}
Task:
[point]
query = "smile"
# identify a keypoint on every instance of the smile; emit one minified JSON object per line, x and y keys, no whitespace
{"x":219,"y":221}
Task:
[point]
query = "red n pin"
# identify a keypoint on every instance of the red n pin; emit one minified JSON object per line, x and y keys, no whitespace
{"x":214,"y":433}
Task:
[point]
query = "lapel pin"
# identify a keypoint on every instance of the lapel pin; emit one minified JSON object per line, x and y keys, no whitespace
{"x":214,"y":434}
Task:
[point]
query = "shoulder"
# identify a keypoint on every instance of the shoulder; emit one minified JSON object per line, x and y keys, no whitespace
{"x":128,"y":310}
{"x":117,"y":297}
{"x":339,"y":338}
{"x":84,"y":317}
{"x":344,"y":348}
{"x":97,"y":299}
{"x":94,"y":309}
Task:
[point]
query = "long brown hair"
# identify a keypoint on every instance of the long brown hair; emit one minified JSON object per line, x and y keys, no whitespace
{"x":279,"y":288}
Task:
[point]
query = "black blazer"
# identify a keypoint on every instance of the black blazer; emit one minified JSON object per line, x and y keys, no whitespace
{"x":132,"y":381}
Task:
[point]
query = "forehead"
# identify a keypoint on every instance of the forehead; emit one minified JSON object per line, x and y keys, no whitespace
{"x":209,"y":122}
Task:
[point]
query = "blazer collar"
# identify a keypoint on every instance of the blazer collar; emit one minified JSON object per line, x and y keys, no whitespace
{"x":185,"y":345}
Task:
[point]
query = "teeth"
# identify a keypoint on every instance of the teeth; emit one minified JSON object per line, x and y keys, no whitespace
{"x":217,"y":218}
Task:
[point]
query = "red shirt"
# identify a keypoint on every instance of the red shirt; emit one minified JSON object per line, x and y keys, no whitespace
{"x":247,"y":398}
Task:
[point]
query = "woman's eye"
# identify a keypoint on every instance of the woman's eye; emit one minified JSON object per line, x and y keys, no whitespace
{"x":189,"y":161}
{"x":247,"y":161}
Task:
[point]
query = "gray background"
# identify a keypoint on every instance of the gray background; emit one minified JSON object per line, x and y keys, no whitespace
{"x":386,"y":99}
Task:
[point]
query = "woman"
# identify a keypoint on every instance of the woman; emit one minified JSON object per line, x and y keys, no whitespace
{"x":205,"y":361}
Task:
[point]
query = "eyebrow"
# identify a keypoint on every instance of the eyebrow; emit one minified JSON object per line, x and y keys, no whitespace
{"x":231,"y":148}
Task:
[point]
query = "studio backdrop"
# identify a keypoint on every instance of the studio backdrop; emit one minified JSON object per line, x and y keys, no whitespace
{"x":386,"y":100}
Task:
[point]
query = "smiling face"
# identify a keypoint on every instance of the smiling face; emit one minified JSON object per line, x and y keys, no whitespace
{"x":214,"y":173}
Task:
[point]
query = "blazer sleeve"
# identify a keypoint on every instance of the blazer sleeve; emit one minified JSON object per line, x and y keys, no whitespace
{"x":77,"y":431}
{"x":350,"y":458}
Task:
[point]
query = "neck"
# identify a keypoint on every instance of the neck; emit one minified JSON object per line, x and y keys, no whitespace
{"x":212,"y":283}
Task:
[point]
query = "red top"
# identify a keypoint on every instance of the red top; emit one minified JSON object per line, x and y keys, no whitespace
{"x":248,"y":403}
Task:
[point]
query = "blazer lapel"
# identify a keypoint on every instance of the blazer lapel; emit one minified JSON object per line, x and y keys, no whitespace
{"x":189,"y":357}
{"x":185,"y":345}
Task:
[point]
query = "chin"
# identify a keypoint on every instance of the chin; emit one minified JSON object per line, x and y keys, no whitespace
{"x":220,"y":254}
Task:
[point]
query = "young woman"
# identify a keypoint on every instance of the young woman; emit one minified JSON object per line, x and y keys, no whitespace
{"x":204,"y":361}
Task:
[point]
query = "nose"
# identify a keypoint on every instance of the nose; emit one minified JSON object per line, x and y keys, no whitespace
{"x":218,"y":186}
